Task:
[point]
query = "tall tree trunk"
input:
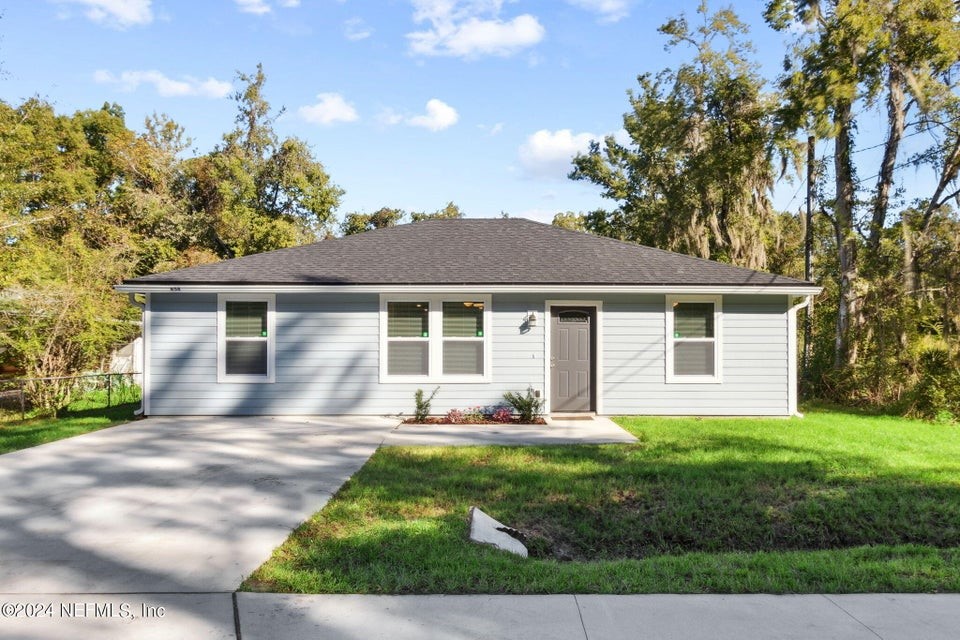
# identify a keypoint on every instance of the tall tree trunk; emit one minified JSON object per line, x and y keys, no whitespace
{"x":808,"y":254}
{"x":848,"y":317}
{"x":896,"y":118}
{"x":949,"y":170}
{"x":909,"y":259}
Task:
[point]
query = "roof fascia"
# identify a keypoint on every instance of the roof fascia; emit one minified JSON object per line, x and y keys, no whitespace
{"x":780,"y":290}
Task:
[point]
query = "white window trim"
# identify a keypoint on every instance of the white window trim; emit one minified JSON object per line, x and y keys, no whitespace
{"x":435,"y":340}
{"x":271,"y":300}
{"x":717,"y":378}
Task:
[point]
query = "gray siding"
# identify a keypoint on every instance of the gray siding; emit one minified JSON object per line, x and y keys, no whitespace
{"x":754,"y":360}
{"x":327,"y":359}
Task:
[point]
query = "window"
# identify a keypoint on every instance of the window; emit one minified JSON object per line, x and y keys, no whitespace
{"x":245,"y":328}
{"x":435,"y":338}
{"x":463,"y":338}
{"x":408,"y":338}
{"x":693,"y":338}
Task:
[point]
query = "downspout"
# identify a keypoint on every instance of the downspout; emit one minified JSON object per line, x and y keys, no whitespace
{"x":132,"y":297}
{"x":792,"y":391}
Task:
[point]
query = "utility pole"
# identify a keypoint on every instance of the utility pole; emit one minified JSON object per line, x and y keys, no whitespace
{"x":808,"y":250}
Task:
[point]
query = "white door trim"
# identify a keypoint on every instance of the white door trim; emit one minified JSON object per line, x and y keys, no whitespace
{"x":597,"y":357}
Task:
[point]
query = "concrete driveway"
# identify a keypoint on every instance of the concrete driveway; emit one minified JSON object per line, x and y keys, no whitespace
{"x":169,"y":504}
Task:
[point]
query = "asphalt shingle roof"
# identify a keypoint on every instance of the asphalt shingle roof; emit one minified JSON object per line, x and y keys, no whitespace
{"x":469,"y":251}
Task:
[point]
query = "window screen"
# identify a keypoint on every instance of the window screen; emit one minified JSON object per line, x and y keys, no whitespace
{"x":407,"y":358}
{"x":246,"y":340}
{"x":246,"y":357}
{"x":693,"y":320}
{"x":246,"y":319}
{"x":408,"y":319}
{"x":462,"y":319}
{"x":694,"y":339}
{"x":463,"y":357}
{"x":693,"y":359}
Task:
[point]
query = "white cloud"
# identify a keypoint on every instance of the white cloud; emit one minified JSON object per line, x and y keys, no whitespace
{"x":164,"y":86}
{"x":608,"y":10}
{"x":329,"y":109}
{"x":439,"y":116}
{"x":356,"y":29}
{"x":256,"y":7}
{"x":547,"y":154}
{"x":263,"y":7}
{"x":389,"y":117}
{"x":470,"y":29}
{"x":491,"y":129}
{"x":116,"y":13}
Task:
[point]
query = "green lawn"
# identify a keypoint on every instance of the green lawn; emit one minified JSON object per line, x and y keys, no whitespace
{"x":835,"y":502}
{"x":89,"y":413}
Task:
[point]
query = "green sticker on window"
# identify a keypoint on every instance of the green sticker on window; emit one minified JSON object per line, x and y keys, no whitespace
{"x":676,"y":334}
{"x":479,"y":334}
{"x":425,"y":334}
{"x":263,"y":334}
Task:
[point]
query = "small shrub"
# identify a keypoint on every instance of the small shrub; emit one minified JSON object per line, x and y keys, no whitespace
{"x":502,"y":414}
{"x":455,"y":416}
{"x":474,"y":415}
{"x":528,"y":405}
{"x":936,"y":396}
{"x":422,"y":407}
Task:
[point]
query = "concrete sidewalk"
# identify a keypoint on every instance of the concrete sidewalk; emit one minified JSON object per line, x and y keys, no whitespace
{"x":255,"y":616}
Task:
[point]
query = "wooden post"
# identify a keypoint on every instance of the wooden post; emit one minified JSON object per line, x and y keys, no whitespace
{"x":109,"y":388}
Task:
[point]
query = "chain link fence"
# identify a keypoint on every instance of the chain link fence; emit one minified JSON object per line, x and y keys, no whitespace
{"x":107,"y":389}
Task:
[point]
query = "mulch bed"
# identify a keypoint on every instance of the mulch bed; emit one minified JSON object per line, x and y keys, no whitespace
{"x":441,"y":420}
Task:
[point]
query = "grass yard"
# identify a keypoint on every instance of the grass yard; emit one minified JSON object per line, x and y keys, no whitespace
{"x":835,"y":502}
{"x":84,"y":415}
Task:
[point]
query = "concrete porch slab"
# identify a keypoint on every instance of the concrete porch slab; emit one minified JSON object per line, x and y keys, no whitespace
{"x":599,"y":430}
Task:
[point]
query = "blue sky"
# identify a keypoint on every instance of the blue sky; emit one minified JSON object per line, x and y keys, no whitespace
{"x":408,"y":103}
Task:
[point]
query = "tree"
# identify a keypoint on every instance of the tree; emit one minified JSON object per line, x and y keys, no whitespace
{"x":359,"y":222}
{"x":257,"y":192}
{"x":570,"y":220}
{"x":63,"y":248}
{"x":387,"y":217}
{"x":848,"y":56}
{"x":450,"y":211}
{"x":59,"y":311}
{"x":696,"y":173}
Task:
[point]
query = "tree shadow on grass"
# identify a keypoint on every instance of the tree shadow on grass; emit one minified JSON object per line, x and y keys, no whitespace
{"x":605,"y":502}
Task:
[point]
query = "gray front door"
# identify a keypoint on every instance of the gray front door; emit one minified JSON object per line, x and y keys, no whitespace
{"x":571,"y":373}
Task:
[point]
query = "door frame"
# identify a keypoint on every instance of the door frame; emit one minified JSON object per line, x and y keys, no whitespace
{"x":596,"y":350}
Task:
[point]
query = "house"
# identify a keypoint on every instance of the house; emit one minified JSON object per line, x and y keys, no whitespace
{"x":475,"y":307}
